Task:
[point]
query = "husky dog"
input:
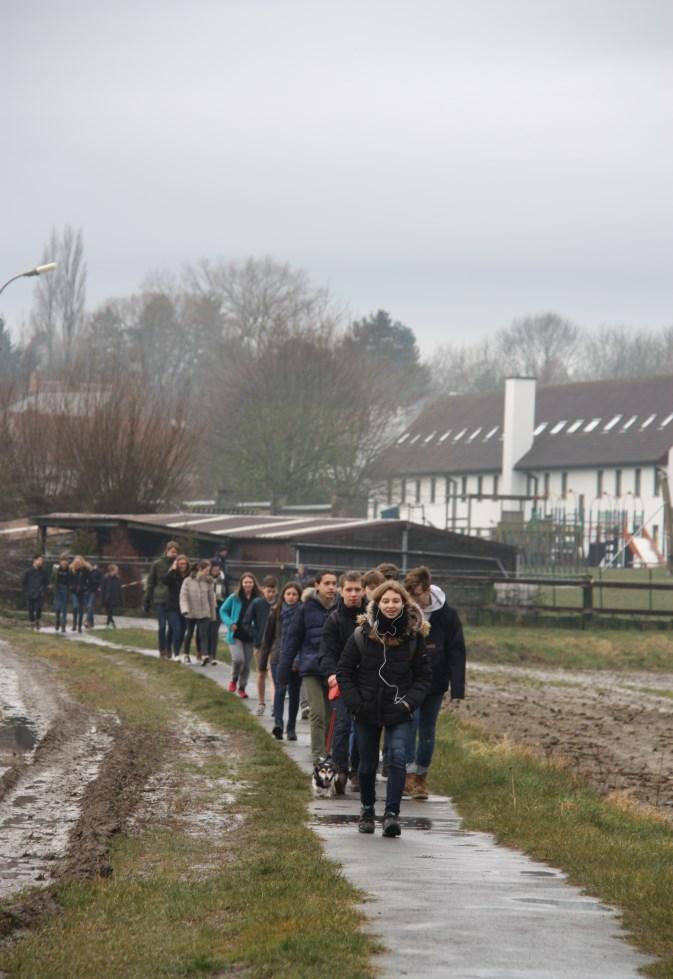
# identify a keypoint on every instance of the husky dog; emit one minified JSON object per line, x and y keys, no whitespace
{"x":323,"y":777}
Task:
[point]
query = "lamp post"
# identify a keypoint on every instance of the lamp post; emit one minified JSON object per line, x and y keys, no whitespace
{"x":38,"y":270}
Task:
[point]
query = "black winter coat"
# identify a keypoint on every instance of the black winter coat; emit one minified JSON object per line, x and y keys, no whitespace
{"x":339,"y":627}
{"x":303,"y":640}
{"x":35,"y":582}
{"x":173,"y":583}
{"x":111,"y":591}
{"x":446,"y":650}
{"x":371,"y":681}
{"x":80,"y":581}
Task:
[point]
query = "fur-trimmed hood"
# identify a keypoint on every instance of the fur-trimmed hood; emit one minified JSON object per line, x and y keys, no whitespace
{"x":416,"y":623}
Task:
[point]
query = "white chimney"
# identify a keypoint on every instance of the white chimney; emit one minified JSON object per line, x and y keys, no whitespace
{"x":517,"y":431}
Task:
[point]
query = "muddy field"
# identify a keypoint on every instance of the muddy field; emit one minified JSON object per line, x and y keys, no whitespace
{"x":615,"y":729}
{"x":71,"y":778}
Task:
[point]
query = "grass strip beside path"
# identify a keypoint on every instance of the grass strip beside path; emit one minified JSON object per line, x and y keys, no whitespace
{"x":613,"y":850}
{"x":571,"y":649}
{"x":273,"y":905}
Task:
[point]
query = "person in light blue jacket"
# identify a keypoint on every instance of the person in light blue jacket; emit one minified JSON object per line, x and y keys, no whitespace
{"x":232,"y":614}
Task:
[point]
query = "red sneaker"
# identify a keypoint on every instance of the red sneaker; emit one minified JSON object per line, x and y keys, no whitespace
{"x":231,"y":686}
{"x":242,"y":694}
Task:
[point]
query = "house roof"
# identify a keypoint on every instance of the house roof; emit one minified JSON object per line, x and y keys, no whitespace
{"x":611,"y":423}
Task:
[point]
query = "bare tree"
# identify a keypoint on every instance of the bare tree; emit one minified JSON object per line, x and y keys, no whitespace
{"x":616,"y":351}
{"x":542,"y":346}
{"x":57,"y":316}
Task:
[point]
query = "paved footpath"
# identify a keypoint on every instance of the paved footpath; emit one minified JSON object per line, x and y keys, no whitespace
{"x":451,"y":903}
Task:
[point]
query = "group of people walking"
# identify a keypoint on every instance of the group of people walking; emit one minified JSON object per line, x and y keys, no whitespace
{"x":75,"y":584}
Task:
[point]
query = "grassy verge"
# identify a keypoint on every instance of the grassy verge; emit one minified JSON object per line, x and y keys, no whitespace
{"x":272,"y":904}
{"x":609,"y":847}
{"x":590,"y":650}
{"x":147,"y":639}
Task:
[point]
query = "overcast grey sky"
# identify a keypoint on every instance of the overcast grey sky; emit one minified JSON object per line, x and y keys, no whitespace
{"x":456,"y":163}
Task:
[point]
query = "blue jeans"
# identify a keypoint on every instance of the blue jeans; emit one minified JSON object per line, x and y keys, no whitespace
{"x":421,"y":742}
{"x":292,"y":689}
{"x":176,"y":631}
{"x":90,"y":605}
{"x":369,"y":737}
{"x":164,"y":630}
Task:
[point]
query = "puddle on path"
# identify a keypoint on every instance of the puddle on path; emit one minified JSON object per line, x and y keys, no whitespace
{"x":411,"y":822}
{"x":17,"y":734}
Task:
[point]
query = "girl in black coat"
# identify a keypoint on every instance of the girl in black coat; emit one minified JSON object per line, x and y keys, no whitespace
{"x":111,"y":593}
{"x":384,"y":675}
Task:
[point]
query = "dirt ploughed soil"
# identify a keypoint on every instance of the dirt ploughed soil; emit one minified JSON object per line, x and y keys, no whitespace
{"x":616,"y":729}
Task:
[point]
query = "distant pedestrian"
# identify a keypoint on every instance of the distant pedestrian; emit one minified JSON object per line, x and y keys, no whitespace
{"x":275,"y":634}
{"x":35,"y":583}
{"x":197,"y":604}
{"x":156,"y":595}
{"x":111,"y":593}
{"x":445,"y":646}
{"x":384,"y":674}
{"x":303,"y":578}
{"x":219,"y":588}
{"x":80,"y":577}
{"x":239,"y":638}
{"x":60,"y":583}
{"x":255,"y":622}
{"x":95,"y":582}
{"x":177,"y":624}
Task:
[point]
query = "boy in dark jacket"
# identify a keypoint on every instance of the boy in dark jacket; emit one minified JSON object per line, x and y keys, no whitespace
{"x":446,"y":648}
{"x":156,"y":595}
{"x":339,"y":627}
{"x":35,"y":582}
{"x":303,"y":644}
{"x":111,"y":593}
{"x":60,"y":583}
{"x":255,"y":620}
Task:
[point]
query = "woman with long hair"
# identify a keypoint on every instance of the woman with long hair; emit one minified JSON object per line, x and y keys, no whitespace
{"x":276,"y":628}
{"x":232,"y":614}
{"x":384,"y":674}
{"x":80,"y":578}
{"x":173,"y":580}
{"x":197,"y":604}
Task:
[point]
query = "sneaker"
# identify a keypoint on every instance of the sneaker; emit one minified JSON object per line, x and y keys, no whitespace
{"x":231,"y":686}
{"x":367,"y":821}
{"x":409,"y":786}
{"x":205,"y":661}
{"x":291,"y":735}
{"x":242,"y":694}
{"x":277,"y":733}
{"x":420,"y":789}
{"x":213,"y":662}
{"x":391,"y":824}
{"x":186,"y":658}
{"x":260,"y":710}
{"x":175,"y":656}
{"x":355,"y":782}
{"x":304,"y":713}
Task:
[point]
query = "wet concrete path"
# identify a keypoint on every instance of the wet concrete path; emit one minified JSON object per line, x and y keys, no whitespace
{"x":450,"y":903}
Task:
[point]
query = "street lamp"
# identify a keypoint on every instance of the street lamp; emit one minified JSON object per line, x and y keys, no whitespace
{"x":38,"y":270}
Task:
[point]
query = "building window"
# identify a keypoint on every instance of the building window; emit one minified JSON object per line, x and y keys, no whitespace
{"x":496,"y":484}
{"x":564,"y":485}
{"x":463,"y":487}
{"x":599,"y":482}
{"x":480,"y":485}
{"x":403,"y":491}
{"x":657,"y":481}
{"x":636,"y":482}
{"x":418,"y":491}
{"x":389,"y":492}
{"x":546,"y":486}
{"x":433,"y":489}
{"x":618,"y":482}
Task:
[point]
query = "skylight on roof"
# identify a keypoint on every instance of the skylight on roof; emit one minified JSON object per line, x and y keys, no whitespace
{"x":594,"y":423}
{"x":540,"y":428}
{"x":403,"y":438}
{"x":558,"y":427}
{"x":667,"y":420}
{"x":475,"y":433}
{"x":648,"y":421}
{"x":575,"y":425}
{"x":629,"y":423}
{"x":414,"y":439}
{"x":460,"y":434}
{"x":491,"y":433}
{"x":613,"y":421}
{"x":442,"y":438}
{"x":430,"y":437}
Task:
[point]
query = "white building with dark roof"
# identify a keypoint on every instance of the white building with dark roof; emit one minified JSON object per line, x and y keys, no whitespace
{"x":589,"y":454}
